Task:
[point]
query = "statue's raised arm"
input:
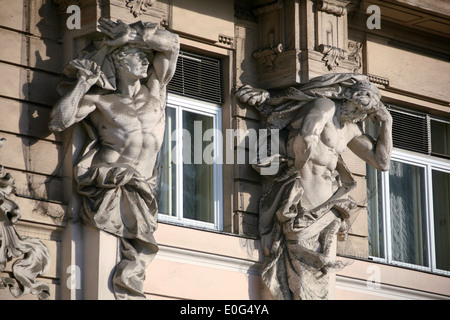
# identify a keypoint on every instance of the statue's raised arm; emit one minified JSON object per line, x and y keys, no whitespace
{"x":149,"y":38}
{"x":102,"y":67}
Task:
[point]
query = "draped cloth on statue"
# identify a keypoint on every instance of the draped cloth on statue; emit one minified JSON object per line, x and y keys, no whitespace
{"x":296,"y":241}
{"x":118,"y":200}
{"x":279,"y":110}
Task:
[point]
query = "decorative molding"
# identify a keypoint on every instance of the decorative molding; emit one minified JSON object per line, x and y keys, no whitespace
{"x":331,"y":7}
{"x":138,"y":7}
{"x":267,"y":56}
{"x":228,"y":40}
{"x":385,"y":291}
{"x":354,"y":55}
{"x":378,"y":80}
{"x":164,"y":23}
{"x":32,"y":256}
{"x":332,"y":55}
{"x":210,"y":260}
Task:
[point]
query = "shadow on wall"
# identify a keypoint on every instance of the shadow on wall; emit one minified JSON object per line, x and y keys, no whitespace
{"x":43,"y":152}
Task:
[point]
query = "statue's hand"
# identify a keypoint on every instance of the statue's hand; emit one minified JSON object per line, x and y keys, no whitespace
{"x":382,"y":114}
{"x":252,"y":96}
{"x":88,"y":71}
{"x":119,"y":32}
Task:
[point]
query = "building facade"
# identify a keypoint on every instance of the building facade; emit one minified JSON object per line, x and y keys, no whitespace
{"x":398,"y":241}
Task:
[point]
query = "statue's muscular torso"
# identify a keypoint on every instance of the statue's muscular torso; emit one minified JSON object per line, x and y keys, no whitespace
{"x":328,"y":140}
{"x":131,"y":129}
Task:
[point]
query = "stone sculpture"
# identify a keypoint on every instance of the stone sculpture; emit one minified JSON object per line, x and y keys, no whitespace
{"x":33,"y":257}
{"x":119,"y":96}
{"x":307,"y":202}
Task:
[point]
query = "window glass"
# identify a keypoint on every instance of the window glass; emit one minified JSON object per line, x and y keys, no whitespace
{"x":441,"y":209}
{"x":198,"y":200}
{"x":408,"y":213}
{"x":190,"y":176}
{"x":375,"y":211}
{"x":440,"y":137}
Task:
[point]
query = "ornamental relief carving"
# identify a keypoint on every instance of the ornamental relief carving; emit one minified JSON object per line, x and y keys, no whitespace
{"x":138,"y":7}
{"x":32,"y":256}
{"x":267,"y":57}
{"x":332,"y":56}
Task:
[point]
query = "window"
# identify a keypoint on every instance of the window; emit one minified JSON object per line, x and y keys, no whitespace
{"x":409,"y":206}
{"x":190,"y":176}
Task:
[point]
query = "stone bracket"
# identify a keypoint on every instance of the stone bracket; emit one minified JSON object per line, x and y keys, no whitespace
{"x":332,"y":55}
{"x":267,"y":56}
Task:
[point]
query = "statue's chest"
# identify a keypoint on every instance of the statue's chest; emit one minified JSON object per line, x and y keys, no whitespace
{"x":123,"y":112}
{"x":335,"y":137}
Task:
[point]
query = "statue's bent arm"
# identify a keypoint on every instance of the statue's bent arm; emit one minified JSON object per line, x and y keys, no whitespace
{"x":166,"y":45}
{"x":376,"y":153}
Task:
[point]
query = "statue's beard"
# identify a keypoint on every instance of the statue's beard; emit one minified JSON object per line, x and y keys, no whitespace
{"x":351,"y":113}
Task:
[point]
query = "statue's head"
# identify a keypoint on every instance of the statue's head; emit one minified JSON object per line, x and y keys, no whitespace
{"x":364,"y":95}
{"x":132,"y":61}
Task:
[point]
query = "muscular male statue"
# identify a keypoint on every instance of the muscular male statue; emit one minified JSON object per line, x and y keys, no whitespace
{"x":120,"y":96}
{"x":308,"y":202}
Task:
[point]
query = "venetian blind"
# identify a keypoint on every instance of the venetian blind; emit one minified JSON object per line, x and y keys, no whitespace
{"x":198,"y":77}
{"x":410,"y":130}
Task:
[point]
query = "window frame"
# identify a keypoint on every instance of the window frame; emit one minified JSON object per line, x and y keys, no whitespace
{"x":180,"y":103}
{"x":428,"y":163}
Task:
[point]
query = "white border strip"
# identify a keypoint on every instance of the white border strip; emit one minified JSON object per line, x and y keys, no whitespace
{"x":384,"y":291}
{"x":209,"y":260}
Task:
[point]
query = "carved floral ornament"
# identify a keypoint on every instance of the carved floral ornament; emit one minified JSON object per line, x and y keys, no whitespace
{"x":138,"y":7}
{"x":332,"y":56}
{"x":33,"y":257}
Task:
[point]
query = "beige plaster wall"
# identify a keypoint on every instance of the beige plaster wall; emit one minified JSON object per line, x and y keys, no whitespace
{"x":195,"y":264}
{"x":408,"y":70}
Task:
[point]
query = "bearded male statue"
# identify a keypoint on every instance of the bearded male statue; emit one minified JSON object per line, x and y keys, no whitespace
{"x":308,"y":200}
{"x":119,"y":96}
